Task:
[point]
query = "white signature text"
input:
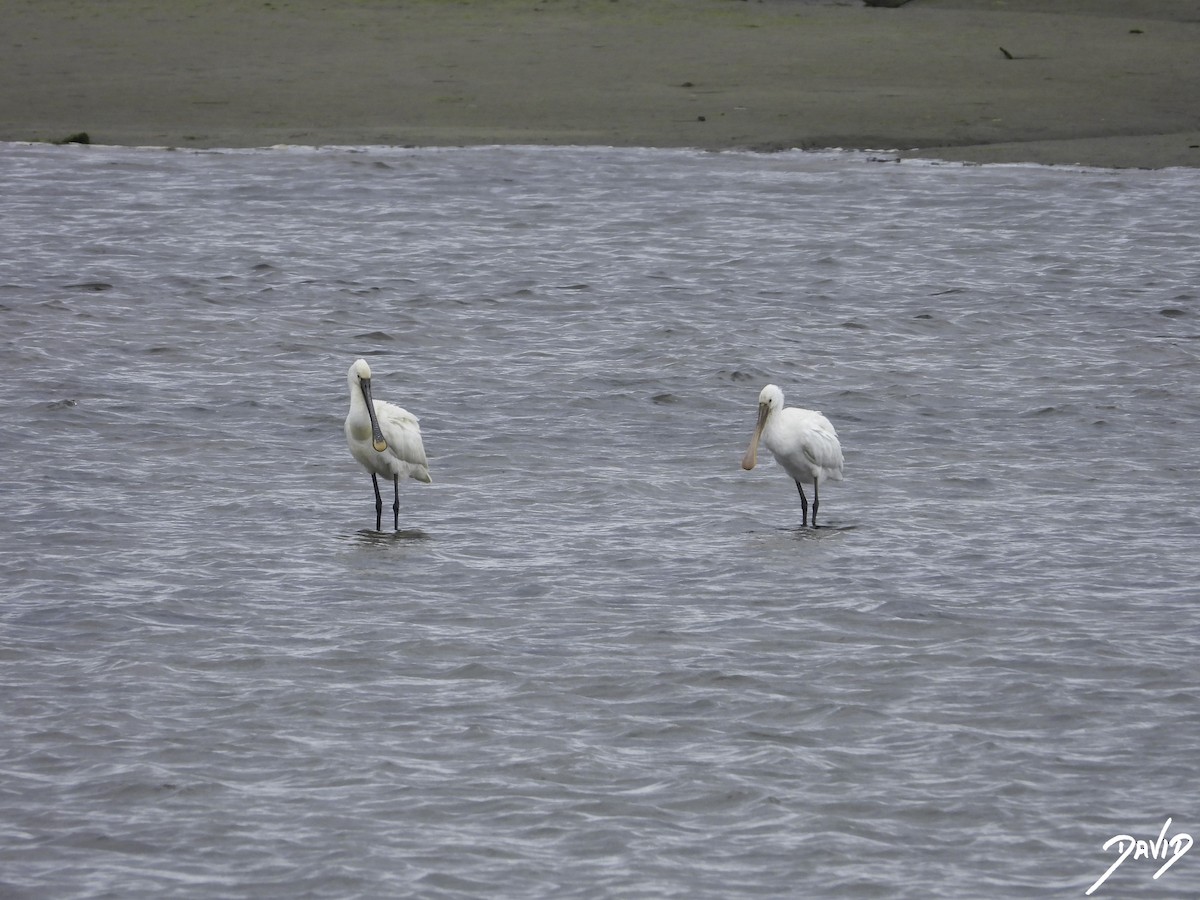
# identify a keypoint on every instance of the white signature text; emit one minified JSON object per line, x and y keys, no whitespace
{"x":1169,"y":849}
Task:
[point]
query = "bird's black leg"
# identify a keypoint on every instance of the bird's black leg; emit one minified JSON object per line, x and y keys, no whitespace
{"x":804,"y":504}
{"x":378,"y":504}
{"x":396,"y":505}
{"x":816,"y":501}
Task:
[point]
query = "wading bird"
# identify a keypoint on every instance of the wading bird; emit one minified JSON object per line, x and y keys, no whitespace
{"x":384,"y":438}
{"x":802,"y":441}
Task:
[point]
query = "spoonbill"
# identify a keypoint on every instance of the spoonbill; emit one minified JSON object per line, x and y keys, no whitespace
{"x":803,"y":441}
{"x":384,"y":438}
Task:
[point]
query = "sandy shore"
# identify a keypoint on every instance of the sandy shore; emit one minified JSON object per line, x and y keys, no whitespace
{"x":1097,"y":82}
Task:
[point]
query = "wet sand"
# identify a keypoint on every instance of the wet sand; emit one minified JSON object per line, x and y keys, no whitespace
{"x":1095,"y":82}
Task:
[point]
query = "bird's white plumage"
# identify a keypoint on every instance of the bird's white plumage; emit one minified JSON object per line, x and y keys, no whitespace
{"x":802,"y":441}
{"x":404,"y":455}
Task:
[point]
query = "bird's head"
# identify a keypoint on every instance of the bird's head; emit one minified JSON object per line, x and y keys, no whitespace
{"x":359,"y":372}
{"x":359,"y":377}
{"x":770,"y":399}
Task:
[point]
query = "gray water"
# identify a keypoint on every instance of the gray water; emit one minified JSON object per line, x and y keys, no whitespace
{"x":598,"y":659}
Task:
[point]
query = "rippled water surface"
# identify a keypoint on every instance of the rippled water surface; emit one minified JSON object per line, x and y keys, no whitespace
{"x":598,"y":659}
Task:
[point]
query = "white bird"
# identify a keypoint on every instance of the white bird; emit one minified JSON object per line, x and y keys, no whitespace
{"x":803,"y":441}
{"x":384,"y":438}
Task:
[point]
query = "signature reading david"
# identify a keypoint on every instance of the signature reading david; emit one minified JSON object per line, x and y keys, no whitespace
{"x":1169,"y":849}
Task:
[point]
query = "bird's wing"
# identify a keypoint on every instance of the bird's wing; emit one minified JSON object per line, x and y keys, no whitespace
{"x":403,"y":434}
{"x":822,"y":447}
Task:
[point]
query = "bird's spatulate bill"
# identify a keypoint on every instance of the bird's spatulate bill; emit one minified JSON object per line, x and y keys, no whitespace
{"x":751,"y":457}
{"x":750,"y":460}
{"x":377,"y":440}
